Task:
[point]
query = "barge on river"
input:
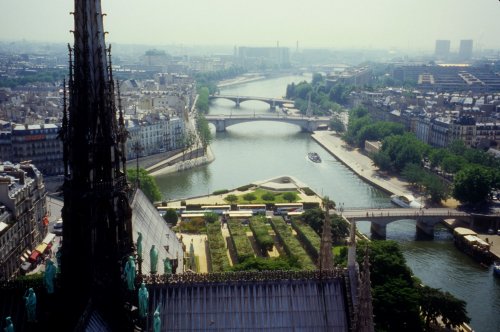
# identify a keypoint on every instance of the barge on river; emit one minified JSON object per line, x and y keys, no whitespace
{"x":468,"y":241}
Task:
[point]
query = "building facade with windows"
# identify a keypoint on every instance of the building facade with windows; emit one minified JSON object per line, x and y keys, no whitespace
{"x":38,"y":144}
{"x":155,"y":133}
{"x":23,"y":209}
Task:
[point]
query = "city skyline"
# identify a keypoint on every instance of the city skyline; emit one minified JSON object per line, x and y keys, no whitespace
{"x":389,"y":24}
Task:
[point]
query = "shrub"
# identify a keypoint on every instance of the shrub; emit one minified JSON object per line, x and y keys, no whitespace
{"x":261,"y":234}
{"x":221,"y":192}
{"x":240,"y":240}
{"x":193,"y":226}
{"x":217,"y":248}
{"x":267,"y":196}
{"x":308,"y":237}
{"x":291,"y":244}
{"x":267,"y":264}
{"x":249,"y":197}
{"x":245,"y":187}
{"x":290,"y":196}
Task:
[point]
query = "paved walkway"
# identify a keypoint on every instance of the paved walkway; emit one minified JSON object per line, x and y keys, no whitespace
{"x":199,"y":249}
{"x":171,"y":167}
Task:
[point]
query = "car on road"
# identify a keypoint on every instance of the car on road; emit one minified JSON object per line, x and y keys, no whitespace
{"x":57,"y":229}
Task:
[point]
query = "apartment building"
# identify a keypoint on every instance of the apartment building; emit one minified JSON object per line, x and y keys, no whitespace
{"x":23,"y":211}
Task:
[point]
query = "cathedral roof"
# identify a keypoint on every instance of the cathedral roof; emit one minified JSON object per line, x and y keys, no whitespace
{"x":259,"y":301}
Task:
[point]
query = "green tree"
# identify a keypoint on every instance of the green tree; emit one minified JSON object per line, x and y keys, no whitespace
{"x":147,"y":183}
{"x":436,"y":188}
{"x":316,"y":217}
{"x":231,"y":198}
{"x":340,"y":229}
{"x":317,"y":79}
{"x":435,"y":303}
{"x":394,"y":290}
{"x":404,"y":149}
{"x":413,"y":173}
{"x":268,"y":196}
{"x":290,"y":196}
{"x":249,"y":197}
{"x":472,"y":184}
{"x":204,"y":132}
{"x":452,"y":163}
{"x":382,"y":160}
{"x":337,"y":125}
{"x":202,"y":104}
{"x":211,"y":217}
{"x":171,"y":217}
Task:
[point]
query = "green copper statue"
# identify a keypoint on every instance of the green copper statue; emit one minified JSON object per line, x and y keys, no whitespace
{"x":30,"y":304}
{"x":157,"y":320}
{"x":130,"y":273}
{"x":143,"y":301}
{"x":167,"y":266}
{"x":153,"y":259}
{"x":139,"y":245}
{"x":49,"y":276}
{"x":9,"y":326}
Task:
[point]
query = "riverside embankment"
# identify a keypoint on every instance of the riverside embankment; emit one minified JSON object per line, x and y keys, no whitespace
{"x":360,"y":164}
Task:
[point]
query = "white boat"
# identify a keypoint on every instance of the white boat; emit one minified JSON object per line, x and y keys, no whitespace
{"x":406,"y":201}
{"x":313,"y":156}
{"x":496,"y":268}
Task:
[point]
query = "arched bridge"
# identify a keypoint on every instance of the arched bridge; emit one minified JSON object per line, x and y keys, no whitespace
{"x":425,"y":219}
{"x":307,"y":124}
{"x":273,"y":102}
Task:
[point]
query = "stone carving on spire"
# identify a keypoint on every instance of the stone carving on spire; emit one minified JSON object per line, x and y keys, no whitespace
{"x":364,"y":320}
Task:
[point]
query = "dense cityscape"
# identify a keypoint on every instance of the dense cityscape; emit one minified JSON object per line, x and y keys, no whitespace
{"x":285,"y":188}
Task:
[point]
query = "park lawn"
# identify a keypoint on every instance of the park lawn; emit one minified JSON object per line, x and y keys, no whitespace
{"x":278,"y":197}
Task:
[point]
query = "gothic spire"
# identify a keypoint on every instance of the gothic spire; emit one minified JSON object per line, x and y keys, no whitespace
{"x":325,"y":250}
{"x":96,"y":214}
{"x":364,"y":321}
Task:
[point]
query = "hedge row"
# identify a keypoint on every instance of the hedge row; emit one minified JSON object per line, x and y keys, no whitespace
{"x":261,"y":233}
{"x":240,"y":240}
{"x":245,"y":187}
{"x":291,"y":244}
{"x":308,"y":237}
{"x":220,"y":192}
{"x":217,"y":248}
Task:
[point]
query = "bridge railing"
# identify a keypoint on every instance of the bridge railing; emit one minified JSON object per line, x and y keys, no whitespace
{"x":418,"y":213}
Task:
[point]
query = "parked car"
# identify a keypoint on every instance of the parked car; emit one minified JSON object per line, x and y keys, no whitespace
{"x":57,"y":229}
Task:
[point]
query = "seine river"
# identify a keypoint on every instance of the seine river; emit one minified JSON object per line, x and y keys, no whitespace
{"x":262,"y":150}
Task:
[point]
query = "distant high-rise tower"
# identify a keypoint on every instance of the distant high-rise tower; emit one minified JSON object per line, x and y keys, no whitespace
{"x":442,"y":50}
{"x":96,"y":215}
{"x":465,"y":51}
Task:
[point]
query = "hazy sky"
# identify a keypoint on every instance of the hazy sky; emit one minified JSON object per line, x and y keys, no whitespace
{"x":403,"y":24}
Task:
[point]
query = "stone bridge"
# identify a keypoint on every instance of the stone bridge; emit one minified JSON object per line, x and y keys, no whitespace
{"x":425,"y":219}
{"x":307,"y":124}
{"x":273,"y":102}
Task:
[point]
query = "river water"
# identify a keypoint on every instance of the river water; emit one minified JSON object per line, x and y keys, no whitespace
{"x":249,"y":152}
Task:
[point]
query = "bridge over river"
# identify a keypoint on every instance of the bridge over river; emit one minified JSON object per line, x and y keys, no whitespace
{"x":425,"y":219}
{"x":307,"y":124}
{"x":273,"y":102}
